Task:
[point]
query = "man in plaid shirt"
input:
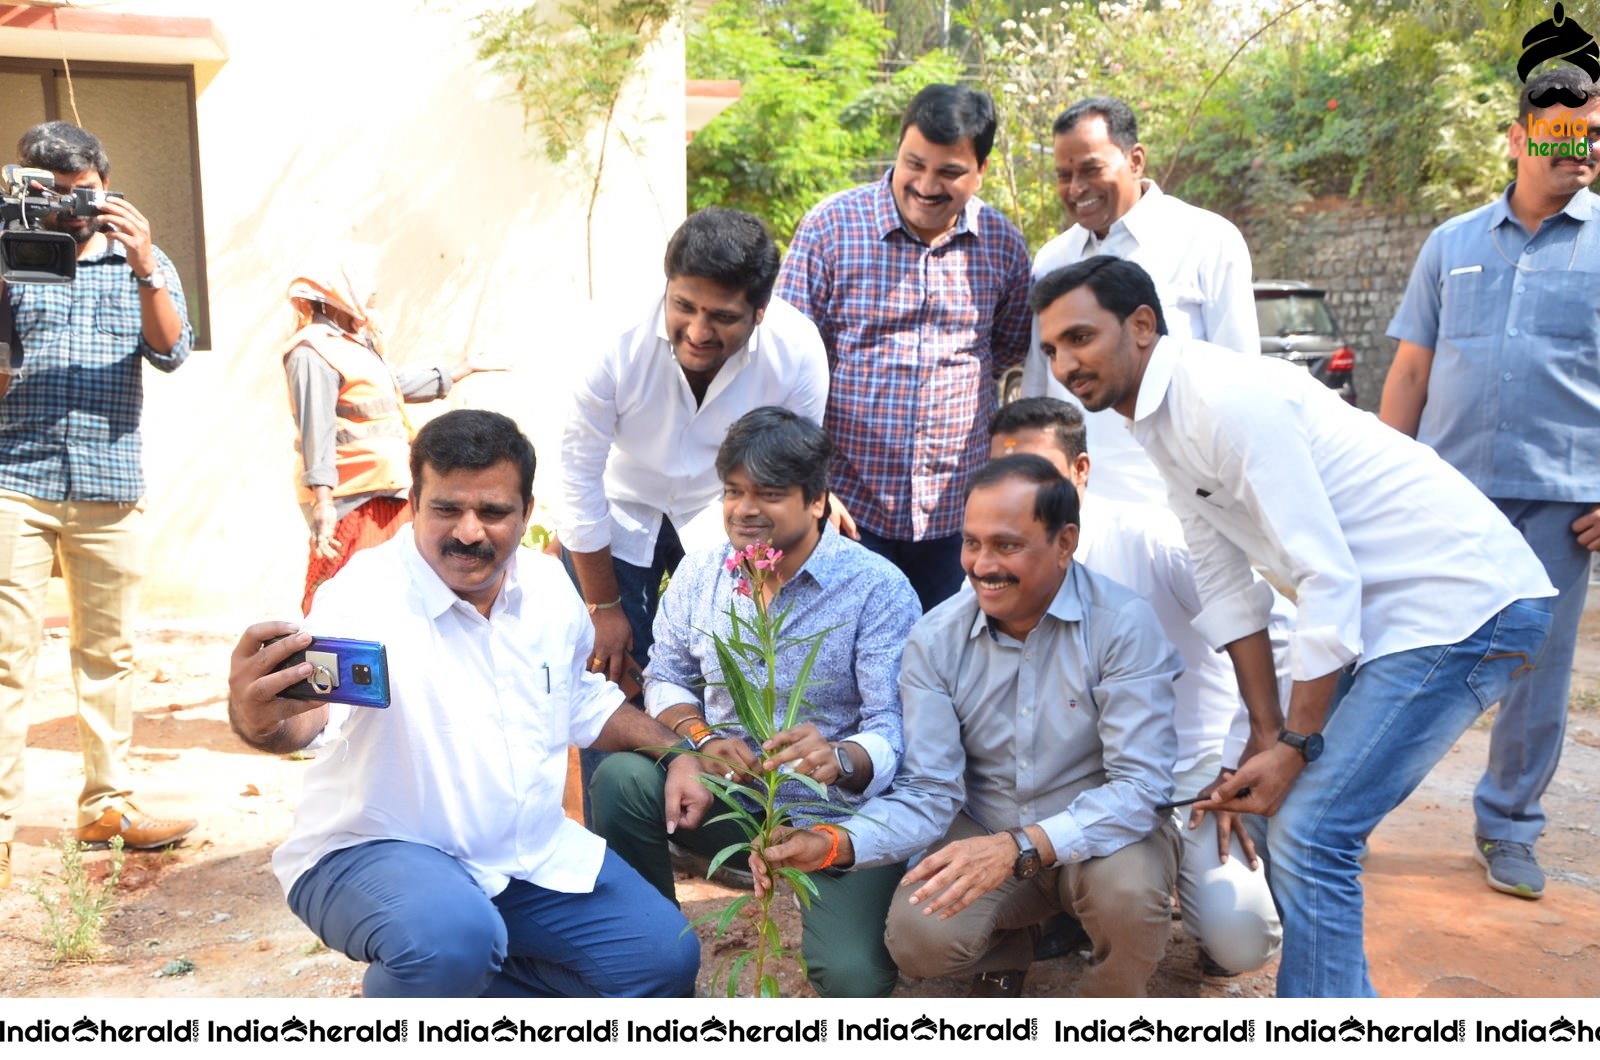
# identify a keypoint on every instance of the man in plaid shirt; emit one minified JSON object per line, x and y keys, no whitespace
{"x":920,"y":292}
{"x":72,"y":483}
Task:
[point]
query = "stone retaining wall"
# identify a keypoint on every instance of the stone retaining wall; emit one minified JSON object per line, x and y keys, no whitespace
{"x":1361,"y":256}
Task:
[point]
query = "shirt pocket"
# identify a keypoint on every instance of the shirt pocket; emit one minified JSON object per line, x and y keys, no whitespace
{"x":1566,"y":306}
{"x":116,"y":312}
{"x":1467,"y":305}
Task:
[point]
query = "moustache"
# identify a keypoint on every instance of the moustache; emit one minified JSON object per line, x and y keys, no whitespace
{"x":1559,"y":94}
{"x":452,"y":547}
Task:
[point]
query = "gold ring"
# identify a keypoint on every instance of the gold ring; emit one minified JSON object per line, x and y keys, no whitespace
{"x":595,"y":661}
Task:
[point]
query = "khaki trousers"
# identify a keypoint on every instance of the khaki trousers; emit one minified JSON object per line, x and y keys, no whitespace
{"x":1124,"y":901}
{"x":102,"y":559}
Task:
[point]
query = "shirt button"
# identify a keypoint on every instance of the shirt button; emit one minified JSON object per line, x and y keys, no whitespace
{"x":1520,"y":288}
{"x":1505,"y":425}
{"x":1512,"y":332}
{"x":1506,"y":377}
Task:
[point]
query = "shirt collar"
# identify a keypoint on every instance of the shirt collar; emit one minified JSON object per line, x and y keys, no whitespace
{"x":112,"y":250}
{"x":1580,"y":207}
{"x":435,"y":595}
{"x":1157,"y":377}
{"x":1066,"y":606}
{"x":1141,"y":220}
{"x":886,"y":215}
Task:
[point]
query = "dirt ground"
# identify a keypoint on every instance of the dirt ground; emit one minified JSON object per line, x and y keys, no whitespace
{"x":211,"y":910}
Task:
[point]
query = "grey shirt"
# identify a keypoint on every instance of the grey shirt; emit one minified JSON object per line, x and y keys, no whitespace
{"x":1070,"y":729}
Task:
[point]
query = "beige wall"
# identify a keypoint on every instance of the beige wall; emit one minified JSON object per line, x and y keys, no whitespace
{"x":401,"y":139}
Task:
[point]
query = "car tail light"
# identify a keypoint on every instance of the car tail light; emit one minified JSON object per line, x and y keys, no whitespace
{"x":1342,"y":360}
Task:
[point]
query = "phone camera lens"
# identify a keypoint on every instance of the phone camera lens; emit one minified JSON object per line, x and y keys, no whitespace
{"x":361,"y":674}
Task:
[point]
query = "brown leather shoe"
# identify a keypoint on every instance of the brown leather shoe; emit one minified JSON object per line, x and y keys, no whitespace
{"x":998,"y":984}
{"x":138,"y":832}
{"x":5,"y":865}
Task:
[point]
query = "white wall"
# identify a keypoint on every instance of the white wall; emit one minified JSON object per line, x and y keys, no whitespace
{"x":400,"y":138}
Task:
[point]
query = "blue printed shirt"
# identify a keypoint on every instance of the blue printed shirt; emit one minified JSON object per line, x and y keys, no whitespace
{"x":1514,"y":324}
{"x":864,"y":602}
{"x":69,"y":425}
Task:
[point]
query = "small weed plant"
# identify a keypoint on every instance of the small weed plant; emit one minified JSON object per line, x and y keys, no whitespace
{"x":75,"y":915}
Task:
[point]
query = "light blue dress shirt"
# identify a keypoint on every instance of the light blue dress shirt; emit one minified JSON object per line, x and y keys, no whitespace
{"x":1514,"y":324}
{"x":1070,"y":729}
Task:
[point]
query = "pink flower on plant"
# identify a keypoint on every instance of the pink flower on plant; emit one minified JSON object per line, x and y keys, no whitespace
{"x":731,"y":563}
{"x":1333,"y":104}
{"x":742,"y":588}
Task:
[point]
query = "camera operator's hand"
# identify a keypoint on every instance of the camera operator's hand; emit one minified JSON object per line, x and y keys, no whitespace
{"x":159,"y":322}
{"x":259,"y":714}
{"x":125,"y":224}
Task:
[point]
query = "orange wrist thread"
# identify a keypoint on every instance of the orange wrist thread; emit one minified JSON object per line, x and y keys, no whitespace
{"x":833,"y":850}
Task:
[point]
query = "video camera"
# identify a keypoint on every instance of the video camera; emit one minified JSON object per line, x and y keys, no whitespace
{"x":28,"y":254}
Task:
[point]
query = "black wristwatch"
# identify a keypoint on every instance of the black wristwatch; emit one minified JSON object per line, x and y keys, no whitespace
{"x":1028,"y":862}
{"x":1310,"y":747}
{"x":847,"y":768}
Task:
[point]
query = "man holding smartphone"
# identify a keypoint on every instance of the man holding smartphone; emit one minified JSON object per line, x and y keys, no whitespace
{"x":430,"y":840}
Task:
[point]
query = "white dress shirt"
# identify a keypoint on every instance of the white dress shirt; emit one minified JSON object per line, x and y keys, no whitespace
{"x":1388,"y":547}
{"x":471,"y":755}
{"x":1201,"y":268}
{"x":1142,"y":547}
{"x":637,"y":447}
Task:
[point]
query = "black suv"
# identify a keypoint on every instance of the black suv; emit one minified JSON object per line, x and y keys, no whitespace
{"x":1296,"y":325}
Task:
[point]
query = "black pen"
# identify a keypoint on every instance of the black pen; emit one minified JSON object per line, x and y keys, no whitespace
{"x":1163,"y":807}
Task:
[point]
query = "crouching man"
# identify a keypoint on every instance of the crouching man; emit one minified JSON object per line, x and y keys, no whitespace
{"x":1039,"y":748}
{"x":429,"y":840}
{"x":774,"y":470}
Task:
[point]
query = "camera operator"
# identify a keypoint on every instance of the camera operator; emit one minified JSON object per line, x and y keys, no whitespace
{"x":72,"y":484}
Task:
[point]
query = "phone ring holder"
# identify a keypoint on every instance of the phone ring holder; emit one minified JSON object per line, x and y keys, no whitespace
{"x":321,"y":679}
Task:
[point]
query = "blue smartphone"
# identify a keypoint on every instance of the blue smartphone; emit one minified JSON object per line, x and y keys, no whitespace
{"x":346,"y":671}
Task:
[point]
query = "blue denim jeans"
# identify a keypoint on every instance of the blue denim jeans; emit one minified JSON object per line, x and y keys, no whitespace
{"x":1525,"y":744}
{"x":1402,"y":712}
{"x":428,"y":930}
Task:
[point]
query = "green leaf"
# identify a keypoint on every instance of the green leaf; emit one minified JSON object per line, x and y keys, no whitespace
{"x":737,"y":971}
{"x":769,"y":986}
{"x":802,"y":680}
{"x":732,"y":911}
{"x":724,"y":854}
{"x":805,"y":888}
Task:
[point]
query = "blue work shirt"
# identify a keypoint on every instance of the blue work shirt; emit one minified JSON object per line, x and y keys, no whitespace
{"x":69,"y":425}
{"x":1514,"y":324}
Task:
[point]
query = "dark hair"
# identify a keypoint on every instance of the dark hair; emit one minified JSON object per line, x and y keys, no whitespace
{"x":1061,"y":419}
{"x":1122,"y":127}
{"x":948,"y":114}
{"x":1564,"y":86}
{"x":62,"y":147}
{"x":471,"y":439}
{"x":731,"y":247}
{"x":777,"y":449}
{"x":1120,"y":286}
{"x":1055,"y":504}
